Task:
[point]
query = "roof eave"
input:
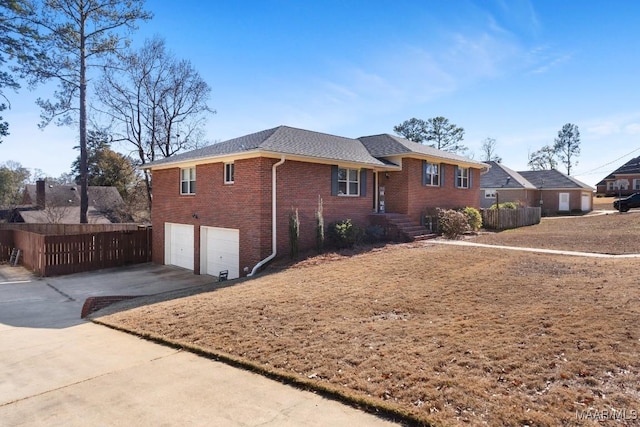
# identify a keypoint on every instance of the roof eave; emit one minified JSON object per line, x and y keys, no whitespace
{"x":269,"y":154}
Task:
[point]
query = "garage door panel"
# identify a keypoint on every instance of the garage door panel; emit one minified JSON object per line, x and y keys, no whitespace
{"x":220,"y":249}
{"x":179,"y":241}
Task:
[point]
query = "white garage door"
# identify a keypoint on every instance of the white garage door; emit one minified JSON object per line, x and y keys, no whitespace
{"x":586,"y":202}
{"x":220,"y":250}
{"x":178,"y":245}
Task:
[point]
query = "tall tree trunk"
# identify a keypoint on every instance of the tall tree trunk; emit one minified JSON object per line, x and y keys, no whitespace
{"x":147,"y":181}
{"x":84,"y":193}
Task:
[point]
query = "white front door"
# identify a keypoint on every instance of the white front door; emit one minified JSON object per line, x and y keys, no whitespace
{"x":563,"y":202}
{"x":219,"y":251}
{"x":178,"y":245}
{"x":586,"y":202}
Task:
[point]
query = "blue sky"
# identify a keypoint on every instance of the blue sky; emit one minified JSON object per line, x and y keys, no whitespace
{"x":512,"y":70}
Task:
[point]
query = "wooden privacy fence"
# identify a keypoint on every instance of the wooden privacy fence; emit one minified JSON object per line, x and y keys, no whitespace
{"x":500,"y":219}
{"x":6,"y":244}
{"x":52,"y":255}
{"x":66,"y":229}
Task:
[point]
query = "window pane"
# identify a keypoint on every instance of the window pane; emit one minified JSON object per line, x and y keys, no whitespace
{"x":353,"y":175}
{"x":185,"y":187}
{"x":192,"y":174}
{"x":353,"y":188}
{"x":342,"y":174}
{"x":193,"y":187}
{"x":342,"y":188}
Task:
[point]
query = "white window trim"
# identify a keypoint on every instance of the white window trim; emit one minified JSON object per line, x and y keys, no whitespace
{"x":430,"y":182}
{"x":490,"y":194}
{"x":348,"y":182}
{"x":636,"y":184}
{"x":463,"y":177}
{"x":232,"y":166}
{"x":190,"y":190}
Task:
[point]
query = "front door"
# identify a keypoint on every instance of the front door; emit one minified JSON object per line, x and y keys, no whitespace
{"x":563,"y":202}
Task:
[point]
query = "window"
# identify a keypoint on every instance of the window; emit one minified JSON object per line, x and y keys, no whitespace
{"x":610,"y":185}
{"x":489,"y":194}
{"x":431,"y":174}
{"x":228,"y":173}
{"x":636,"y":184}
{"x":462,"y":177}
{"x":348,"y":182}
{"x":188,"y":181}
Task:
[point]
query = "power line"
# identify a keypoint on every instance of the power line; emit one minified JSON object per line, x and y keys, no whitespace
{"x":593,"y":171}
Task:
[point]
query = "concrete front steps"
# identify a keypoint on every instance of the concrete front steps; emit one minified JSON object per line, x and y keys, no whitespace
{"x":401,"y":227}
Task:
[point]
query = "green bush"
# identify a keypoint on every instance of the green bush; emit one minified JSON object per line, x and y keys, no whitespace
{"x":452,"y":224}
{"x":506,"y":205}
{"x":344,"y":234}
{"x":474,"y":218}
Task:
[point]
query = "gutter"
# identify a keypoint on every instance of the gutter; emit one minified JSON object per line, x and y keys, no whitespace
{"x":274,"y":240}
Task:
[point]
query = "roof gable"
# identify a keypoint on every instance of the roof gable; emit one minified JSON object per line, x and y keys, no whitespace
{"x":385,"y":145}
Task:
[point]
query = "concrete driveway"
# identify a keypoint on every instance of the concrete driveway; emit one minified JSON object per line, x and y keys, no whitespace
{"x":57,"y":369}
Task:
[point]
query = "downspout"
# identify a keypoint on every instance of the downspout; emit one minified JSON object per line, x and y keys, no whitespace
{"x":274,"y":240}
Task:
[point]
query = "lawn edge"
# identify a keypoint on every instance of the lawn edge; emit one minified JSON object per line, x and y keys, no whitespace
{"x":362,"y":403}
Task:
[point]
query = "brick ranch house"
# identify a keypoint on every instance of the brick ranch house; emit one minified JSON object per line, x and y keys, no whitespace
{"x":216,"y":208}
{"x":552,"y":190}
{"x":624,"y":181}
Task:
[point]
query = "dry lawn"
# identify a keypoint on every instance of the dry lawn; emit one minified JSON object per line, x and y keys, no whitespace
{"x":613,"y":233}
{"x":445,"y":335}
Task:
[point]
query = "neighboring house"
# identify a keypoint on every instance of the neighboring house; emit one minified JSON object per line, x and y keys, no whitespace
{"x":44,"y":203}
{"x":623,"y":181}
{"x":552,"y":190}
{"x":216,"y":208}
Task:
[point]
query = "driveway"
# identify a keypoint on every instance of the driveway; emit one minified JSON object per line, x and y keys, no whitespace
{"x":57,"y":369}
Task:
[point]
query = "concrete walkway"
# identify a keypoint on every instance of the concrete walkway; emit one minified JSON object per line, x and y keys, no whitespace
{"x":58,"y":370}
{"x":537,"y":250}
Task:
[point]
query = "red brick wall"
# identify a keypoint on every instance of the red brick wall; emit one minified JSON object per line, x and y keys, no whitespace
{"x":404,"y":192}
{"x":246,"y":205}
{"x":299,"y":185}
{"x":239,"y":205}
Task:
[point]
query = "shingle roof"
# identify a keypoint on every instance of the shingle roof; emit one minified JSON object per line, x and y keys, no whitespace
{"x":500,"y":176}
{"x":285,"y":140}
{"x":553,"y":179}
{"x":69,"y":195}
{"x":389,"y":145}
{"x":631,"y":167}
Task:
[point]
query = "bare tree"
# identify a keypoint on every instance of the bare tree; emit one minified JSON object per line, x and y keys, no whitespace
{"x":156,"y":102}
{"x":77,"y":35}
{"x":489,"y":151}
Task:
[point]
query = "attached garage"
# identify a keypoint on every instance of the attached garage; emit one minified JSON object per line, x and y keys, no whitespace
{"x":178,"y":245}
{"x":219,"y":251}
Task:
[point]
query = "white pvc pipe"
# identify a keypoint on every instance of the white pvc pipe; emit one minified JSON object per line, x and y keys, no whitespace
{"x":274,"y":240}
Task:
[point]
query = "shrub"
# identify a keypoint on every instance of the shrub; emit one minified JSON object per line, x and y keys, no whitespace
{"x":374,"y":234}
{"x":452,"y":224}
{"x":474,"y":219}
{"x":319,"y":215}
{"x":294,"y":233}
{"x":506,"y":205}
{"x":344,"y":234}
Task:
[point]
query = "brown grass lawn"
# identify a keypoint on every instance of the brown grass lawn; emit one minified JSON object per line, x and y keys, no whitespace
{"x":446,"y":335}
{"x":614,"y":233}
